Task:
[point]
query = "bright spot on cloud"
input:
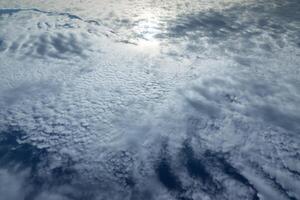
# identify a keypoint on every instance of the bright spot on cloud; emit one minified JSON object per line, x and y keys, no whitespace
{"x":146,"y":28}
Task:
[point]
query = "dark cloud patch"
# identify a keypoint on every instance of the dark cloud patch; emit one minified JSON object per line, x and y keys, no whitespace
{"x":219,"y":160}
{"x":194,"y":165}
{"x":242,"y":29}
{"x":206,"y":168}
{"x":258,"y":98}
{"x":26,"y":90}
{"x":198,"y":167}
{"x":56,"y":39}
{"x":203,"y":107}
{"x":62,"y":175}
{"x":11,"y":11}
{"x":46,"y":45}
{"x":238,"y":21}
{"x":211,"y":23}
{"x":166,"y":176}
{"x":275,"y":184}
{"x":14,"y":47}
{"x":17,"y":156}
{"x":145,"y":194}
{"x":276,"y":117}
{"x":59,"y":46}
{"x":289,"y":10}
{"x":120,"y":165}
{"x":3,"y":45}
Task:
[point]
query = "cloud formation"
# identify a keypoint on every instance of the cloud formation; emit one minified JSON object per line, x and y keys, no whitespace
{"x":213,"y":114}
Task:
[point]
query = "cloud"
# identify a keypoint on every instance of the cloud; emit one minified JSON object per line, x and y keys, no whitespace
{"x":124,"y":125}
{"x":246,"y":30}
{"x":52,"y":35}
{"x":12,"y":185}
{"x":30,"y":90}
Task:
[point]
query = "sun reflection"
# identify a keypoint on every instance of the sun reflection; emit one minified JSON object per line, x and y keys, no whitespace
{"x":146,"y":28}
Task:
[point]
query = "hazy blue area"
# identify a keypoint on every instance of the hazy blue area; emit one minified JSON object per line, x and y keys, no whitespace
{"x":149,"y":100}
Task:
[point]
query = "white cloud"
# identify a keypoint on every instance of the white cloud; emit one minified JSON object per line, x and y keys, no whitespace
{"x":226,"y":83}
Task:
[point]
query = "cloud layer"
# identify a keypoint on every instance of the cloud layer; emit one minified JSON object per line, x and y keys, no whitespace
{"x":149,"y":100}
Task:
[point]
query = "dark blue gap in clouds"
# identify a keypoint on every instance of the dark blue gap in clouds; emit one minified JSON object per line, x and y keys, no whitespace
{"x":219,"y":160}
{"x":228,"y":169}
{"x":121,"y":165}
{"x":16,"y":156}
{"x":11,"y":11}
{"x":199,"y":168}
{"x":274,"y":182}
{"x":3,"y":45}
{"x":22,"y":156}
{"x":167,"y":177}
{"x":13,"y":152}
